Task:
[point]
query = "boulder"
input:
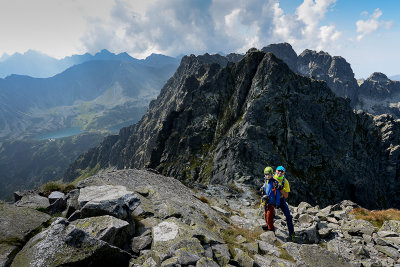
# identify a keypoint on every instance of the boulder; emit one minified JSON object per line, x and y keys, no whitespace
{"x":314,"y":255}
{"x":268,"y":249}
{"x":221,"y":253}
{"x":107,"y":200}
{"x":391,"y":225}
{"x":55,"y":195}
{"x":206,"y":262}
{"x":358,"y":227}
{"x":107,"y":228}
{"x":187,"y":251}
{"x":63,"y":244}
{"x":33,"y":201}
{"x":18,"y":223}
{"x":389,"y":251}
{"x":272,"y":261}
{"x":141,"y":242}
{"x":243,"y":258}
{"x":268,"y":237}
{"x":59,"y":205}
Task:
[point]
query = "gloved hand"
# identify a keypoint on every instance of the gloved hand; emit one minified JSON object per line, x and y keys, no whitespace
{"x":261,"y":191}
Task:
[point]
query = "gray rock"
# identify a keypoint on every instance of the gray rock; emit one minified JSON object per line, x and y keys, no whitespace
{"x":72,"y":202}
{"x":55,"y":195}
{"x":308,"y":235}
{"x":324,"y":232}
{"x":141,"y":242}
{"x":268,"y":237}
{"x":251,"y":247}
{"x":206,"y":262}
{"x":314,"y":255}
{"x":243,"y":258}
{"x":269,"y":249}
{"x":391,"y":225}
{"x":62,"y":244}
{"x":188,"y":251}
{"x":389,"y":251}
{"x":171,"y":262}
{"x":107,"y":228}
{"x":387,"y":234}
{"x":33,"y":201}
{"x":150,"y":262}
{"x":7,"y":254}
{"x":107,"y":200}
{"x":17,"y":223}
{"x":221,"y":254}
{"x":358,"y":227}
{"x":272,"y":261}
{"x":224,"y":212}
{"x":305,"y":218}
{"x":57,"y":206}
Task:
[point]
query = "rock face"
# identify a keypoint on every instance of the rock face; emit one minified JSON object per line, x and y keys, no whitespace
{"x":218,"y":124}
{"x":379,"y":95}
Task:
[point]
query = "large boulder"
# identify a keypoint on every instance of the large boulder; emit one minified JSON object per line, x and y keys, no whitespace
{"x":391,"y":225}
{"x":160,"y":196}
{"x":18,"y":223}
{"x":116,"y":201}
{"x":63,"y":244}
{"x":107,"y":228}
{"x":33,"y":201}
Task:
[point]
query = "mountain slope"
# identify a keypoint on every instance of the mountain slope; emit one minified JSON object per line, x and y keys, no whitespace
{"x":78,"y":96}
{"x":219,"y":122}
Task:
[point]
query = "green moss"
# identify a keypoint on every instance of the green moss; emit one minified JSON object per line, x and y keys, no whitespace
{"x":14,"y":241}
{"x":285,"y":255}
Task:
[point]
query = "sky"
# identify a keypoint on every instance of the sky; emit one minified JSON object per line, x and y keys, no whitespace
{"x":365,"y":32}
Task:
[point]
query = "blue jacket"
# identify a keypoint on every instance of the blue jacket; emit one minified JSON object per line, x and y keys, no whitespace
{"x":273,"y":194}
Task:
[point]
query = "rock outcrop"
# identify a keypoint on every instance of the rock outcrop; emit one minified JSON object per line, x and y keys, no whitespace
{"x":216,"y":124}
{"x":212,"y":225}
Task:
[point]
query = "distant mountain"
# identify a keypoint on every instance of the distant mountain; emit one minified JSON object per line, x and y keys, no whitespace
{"x":95,"y":94}
{"x":39,"y":65}
{"x":395,"y":77}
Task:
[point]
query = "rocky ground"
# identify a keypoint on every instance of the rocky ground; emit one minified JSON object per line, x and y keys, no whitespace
{"x":140,"y":218}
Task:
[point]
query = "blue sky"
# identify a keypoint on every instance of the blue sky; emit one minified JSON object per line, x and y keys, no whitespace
{"x":366,"y":33}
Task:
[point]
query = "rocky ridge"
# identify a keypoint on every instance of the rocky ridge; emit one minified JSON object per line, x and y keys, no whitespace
{"x":137,"y":223}
{"x":216,"y":122}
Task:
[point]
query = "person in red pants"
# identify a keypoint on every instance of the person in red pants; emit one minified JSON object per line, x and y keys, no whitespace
{"x":270,"y":198}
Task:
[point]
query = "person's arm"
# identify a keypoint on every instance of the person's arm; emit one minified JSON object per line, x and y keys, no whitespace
{"x":284,"y":193}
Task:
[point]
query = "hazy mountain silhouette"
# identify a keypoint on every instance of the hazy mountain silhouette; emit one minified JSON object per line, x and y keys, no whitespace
{"x":36,"y":64}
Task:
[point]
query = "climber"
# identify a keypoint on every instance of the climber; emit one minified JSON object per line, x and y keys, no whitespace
{"x":270,"y":197}
{"x":284,"y":189}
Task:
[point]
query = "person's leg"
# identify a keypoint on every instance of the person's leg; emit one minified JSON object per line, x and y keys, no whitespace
{"x":289,"y":220}
{"x":270,"y":217}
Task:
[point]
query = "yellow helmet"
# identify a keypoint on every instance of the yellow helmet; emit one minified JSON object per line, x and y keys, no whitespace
{"x":268,"y":170}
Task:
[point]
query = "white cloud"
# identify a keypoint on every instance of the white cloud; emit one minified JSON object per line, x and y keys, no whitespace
{"x":365,"y":27}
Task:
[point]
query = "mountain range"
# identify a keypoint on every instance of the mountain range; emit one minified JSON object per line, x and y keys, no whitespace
{"x":39,"y":65}
{"x":100,"y":95}
{"x":218,"y":121}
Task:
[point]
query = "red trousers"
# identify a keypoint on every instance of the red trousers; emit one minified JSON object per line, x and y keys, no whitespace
{"x":269,"y":216}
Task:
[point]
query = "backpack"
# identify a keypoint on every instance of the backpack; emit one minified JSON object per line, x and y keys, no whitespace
{"x":273,"y":194}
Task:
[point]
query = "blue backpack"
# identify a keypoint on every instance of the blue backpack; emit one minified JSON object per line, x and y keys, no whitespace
{"x":273,"y":194}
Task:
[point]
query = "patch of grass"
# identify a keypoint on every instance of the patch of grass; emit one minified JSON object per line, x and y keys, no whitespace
{"x":87,"y":172}
{"x":204,"y":200}
{"x":49,"y":187}
{"x":376,"y":217}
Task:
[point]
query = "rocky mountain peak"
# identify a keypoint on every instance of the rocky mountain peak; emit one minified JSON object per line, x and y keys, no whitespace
{"x":218,"y":122}
{"x":378,"y":76}
{"x":285,"y":52}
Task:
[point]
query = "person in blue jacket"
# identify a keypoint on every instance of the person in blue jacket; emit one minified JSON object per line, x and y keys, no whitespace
{"x":270,"y":197}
